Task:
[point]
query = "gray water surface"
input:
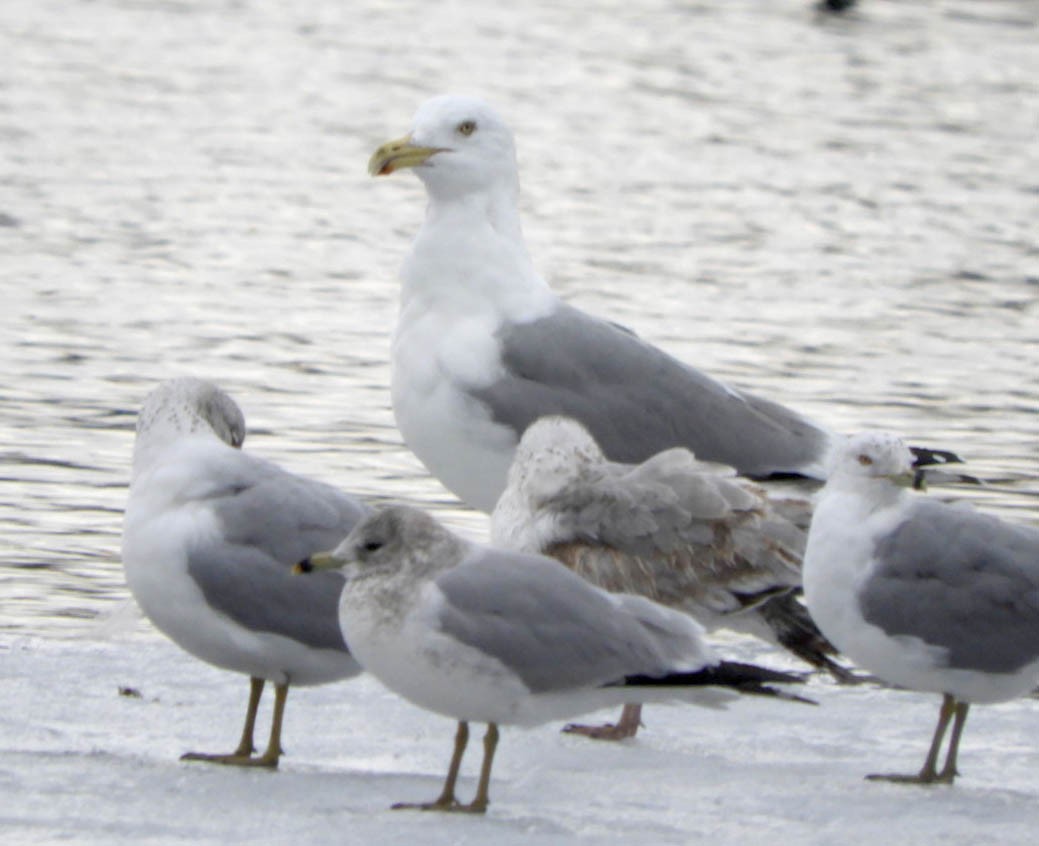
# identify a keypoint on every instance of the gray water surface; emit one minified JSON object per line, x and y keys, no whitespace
{"x":839,"y":213}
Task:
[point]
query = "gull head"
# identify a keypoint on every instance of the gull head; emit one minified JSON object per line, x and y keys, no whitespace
{"x":554,"y":452}
{"x":188,"y":406}
{"x":457,"y":145}
{"x":871,"y":456}
{"x":395,"y":540}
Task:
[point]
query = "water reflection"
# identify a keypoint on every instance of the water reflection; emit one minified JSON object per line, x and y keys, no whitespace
{"x":837,"y":214}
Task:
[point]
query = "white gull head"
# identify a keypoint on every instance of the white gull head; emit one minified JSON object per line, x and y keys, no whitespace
{"x":869,"y":458}
{"x":186,"y":407}
{"x":476,"y":149}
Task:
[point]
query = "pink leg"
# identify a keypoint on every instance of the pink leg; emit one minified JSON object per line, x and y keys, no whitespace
{"x":627,"y":726}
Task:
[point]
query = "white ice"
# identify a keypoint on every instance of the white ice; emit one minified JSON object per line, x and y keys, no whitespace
{"x":81,"y":763}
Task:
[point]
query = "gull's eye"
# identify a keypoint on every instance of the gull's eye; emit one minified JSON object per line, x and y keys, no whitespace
{"x":466,"y":127}
{"x":865,"y":460}
{"x":372,"y":545}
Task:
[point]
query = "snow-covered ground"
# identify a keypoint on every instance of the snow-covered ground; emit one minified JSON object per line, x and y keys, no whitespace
{"x":81,"y":762}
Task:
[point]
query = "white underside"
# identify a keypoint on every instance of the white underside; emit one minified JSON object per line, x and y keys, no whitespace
{"x":450,"y":432}
{"x":417,"y":661}
{"x":163,"y":520}
{"x":464,"y":279}
{"x":838,"y":561}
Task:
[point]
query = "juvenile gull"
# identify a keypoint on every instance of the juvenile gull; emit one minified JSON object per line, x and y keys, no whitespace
{"x":681,"y":532}
{"x":209,"y":539}
{"x":500,"y":637}
{"x":483,"y":347}
{"x":928,"y":596}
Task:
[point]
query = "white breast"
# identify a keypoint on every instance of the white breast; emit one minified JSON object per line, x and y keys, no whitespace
{"x":838,"y":560}
{"x":463,"y":280}
{"x":408,"y":653}
{"x":167,"y":517}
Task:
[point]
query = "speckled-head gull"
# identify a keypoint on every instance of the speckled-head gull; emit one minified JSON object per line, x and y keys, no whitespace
{"x":685,"y":533}
{"x":483,"y":347}
{"x":489,"y":635}
{"x":210,"y":536}
{"x":926,"y":595}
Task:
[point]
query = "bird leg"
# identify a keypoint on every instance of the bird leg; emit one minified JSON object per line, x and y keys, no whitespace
{"x":446,"y":801}
{"x":627,"y":726}
{"x":482,"y":798}
{"x":273,"y":752}
{"x":245,"y":745}
{"x":929,"y":774}
{"x":243,"y":755}
{"x":949,"y":771}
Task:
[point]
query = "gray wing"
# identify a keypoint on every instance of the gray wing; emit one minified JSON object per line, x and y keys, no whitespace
{"x":637,"y":401}
{"x":270,"y":520}
{"x":962,"y":580}
{"x":553,"y":629}
{"x":674,"y":531}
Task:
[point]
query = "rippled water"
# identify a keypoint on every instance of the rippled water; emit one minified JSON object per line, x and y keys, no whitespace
{"x":838,"y":213}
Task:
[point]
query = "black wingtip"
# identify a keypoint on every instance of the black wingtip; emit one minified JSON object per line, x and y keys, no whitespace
{"x":736,"y":672}
{"x":930,"y":467}
{"x":745,"y":678}
{"x":797,"y":632}
{"x":927,"y":457}
{"x":834,"y":5}
{"x":750,"y":679}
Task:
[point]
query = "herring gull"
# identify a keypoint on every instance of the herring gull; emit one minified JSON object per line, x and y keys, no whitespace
{"x":684,"y":533}
{"x":483,"y":347}
{"x":926,"y":595}
{"x":209,"y":539}
{"x":494,"y":636}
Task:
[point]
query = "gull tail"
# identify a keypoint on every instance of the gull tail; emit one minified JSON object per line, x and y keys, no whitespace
{"x":743,"y":678}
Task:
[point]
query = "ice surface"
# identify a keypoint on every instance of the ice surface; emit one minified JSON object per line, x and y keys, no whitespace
{"x":82,"y":763}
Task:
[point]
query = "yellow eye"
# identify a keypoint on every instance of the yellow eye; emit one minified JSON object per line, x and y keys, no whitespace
{"x":865,"y":460}
{"x":467,"y":127}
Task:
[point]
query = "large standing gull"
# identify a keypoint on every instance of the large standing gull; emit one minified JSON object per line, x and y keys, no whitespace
{"x":483,"y":347}
{"x":928,"y":596}
{"x":209,"y":539}
{"x":681,"y":532}
{"x":485,"y":634}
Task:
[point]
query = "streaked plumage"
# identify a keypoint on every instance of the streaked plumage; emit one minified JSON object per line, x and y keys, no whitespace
{"x":688,"y":534}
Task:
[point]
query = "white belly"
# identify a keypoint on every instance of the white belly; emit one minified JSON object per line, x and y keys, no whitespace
{"x":837,"y":562}
{"x":450,"y":431}
{"x":427,"y":668}
{"x":155,"y":562}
